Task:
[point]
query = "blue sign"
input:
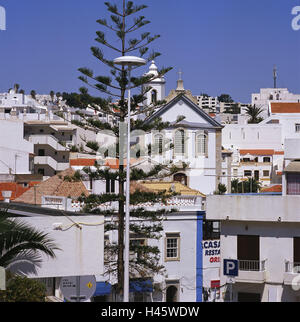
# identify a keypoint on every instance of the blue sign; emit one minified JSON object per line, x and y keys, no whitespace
{"x":231,"y":267}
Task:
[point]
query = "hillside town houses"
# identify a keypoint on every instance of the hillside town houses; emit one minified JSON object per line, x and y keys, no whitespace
{"x":216,"y":149}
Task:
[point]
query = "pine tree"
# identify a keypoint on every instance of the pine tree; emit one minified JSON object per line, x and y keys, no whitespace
{"x":125,"y":21}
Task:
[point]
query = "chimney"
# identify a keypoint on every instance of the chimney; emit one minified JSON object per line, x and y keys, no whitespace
{"x":6,"y":195}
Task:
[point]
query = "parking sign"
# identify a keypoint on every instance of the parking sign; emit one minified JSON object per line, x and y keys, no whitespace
{"x":231,"y":267}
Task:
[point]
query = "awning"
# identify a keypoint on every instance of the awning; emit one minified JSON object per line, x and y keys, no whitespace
{"x":293,"y":166}
{"x":102,"y":288}
{"x":141,"y":286}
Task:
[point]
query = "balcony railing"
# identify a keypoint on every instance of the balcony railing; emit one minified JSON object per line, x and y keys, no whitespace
{"x":252,"y":266}
{"x":293,"y":268}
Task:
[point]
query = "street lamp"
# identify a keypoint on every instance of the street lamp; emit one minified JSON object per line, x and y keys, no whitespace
{"x":129,"y":61}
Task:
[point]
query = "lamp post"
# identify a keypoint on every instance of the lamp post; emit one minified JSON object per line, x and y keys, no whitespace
{"x":128,"y":61}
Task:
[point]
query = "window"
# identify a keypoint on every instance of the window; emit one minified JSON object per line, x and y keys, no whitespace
{"x":179,"y":142}
{"x":293,"y":184}
{"x":247,"y":173}
{"x":266,"y":173}
{"x":110,"y":186}
{"x":181,"y":177}
{"x":297,"y":128}
{"x":266,"y":159}
{"x":159,"y":144}
{"x":235,"y":172}
{"x":296,"y":251}
{"x":172,"y":251}
{"x":248,"y":252}
{"x":201,"y":144}
{"x":41,"y":172}
{"x":211,"y":230}
{"x":41,"y":153}
{"x":154,"y":96}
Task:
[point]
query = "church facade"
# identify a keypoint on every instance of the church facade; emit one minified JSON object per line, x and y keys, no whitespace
{"x":195,"y":141}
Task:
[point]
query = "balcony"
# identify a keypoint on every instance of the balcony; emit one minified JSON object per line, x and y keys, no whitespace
{"x":47,"y":160}
{"x":47,"y":140}
{"x":292,"y":270}
{"x":251,"y":271}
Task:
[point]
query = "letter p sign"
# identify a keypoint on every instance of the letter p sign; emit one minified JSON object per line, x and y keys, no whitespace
{"x":231,"y":267}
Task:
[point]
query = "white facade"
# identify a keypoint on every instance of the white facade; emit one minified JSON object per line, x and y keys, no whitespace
{"x":15,"y":151}
{"x":264,"y":144}
{"x":197,"y":142}
{"x":208,"y":102}
{"x":274,"y":223}
{"x":81,"y":242}
{"x":267,"y":95}
{"x":252,"y":136}
{"x":158,"y":86}
{"x":180,"y":272}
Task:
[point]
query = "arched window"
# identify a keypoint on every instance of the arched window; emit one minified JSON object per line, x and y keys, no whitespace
{"x":181,"y":177}
{"x":154,"y":96}
{"x":159,"y":144}
{"x":179,"y":142}
{"x":201,"y":144}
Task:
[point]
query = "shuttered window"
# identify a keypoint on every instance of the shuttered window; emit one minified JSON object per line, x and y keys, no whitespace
{"x":201,"y":144}
{"x":179,"y":142}
{"x":293,"y":184}
{"x":159,"y":144}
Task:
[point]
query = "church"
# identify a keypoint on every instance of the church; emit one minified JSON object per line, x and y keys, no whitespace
{"x":196,"y":139}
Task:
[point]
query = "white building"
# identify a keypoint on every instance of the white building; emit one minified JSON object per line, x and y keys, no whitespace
{"x":80,"y":238}
{"x":196,"y":139}
{"x":268,"y":95}
{"x":208,"y":103}
{"x":16,"y":154}
{"x":262,"y":232}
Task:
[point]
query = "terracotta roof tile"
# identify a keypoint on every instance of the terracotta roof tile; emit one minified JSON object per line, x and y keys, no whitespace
{"x":54,"y":186}
{"x":276,"y":188}
{"x":285,"y":107}
{"x":16,"y":189}
{"x":167,"y":186}
{"x":257,"y":152}
{"x":82,"y":162}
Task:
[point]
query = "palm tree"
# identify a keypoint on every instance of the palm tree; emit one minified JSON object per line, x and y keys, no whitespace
{"x":16,"y":88}
{"x":52,"y":94}
{"x":33,"y":94}
{"x":21,"y":243}
{"x":254,"y":113}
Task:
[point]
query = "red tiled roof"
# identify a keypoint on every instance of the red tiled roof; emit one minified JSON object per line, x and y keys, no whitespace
{"x":276,"y":188}
{"x":279,"y":153}
{"x":16,"y":189}
{"x":82,"y":162}
{"x":54,"y":186}
{"x":112,"y":163}
{"x":285,"y":107}
{"x":257,"y":152}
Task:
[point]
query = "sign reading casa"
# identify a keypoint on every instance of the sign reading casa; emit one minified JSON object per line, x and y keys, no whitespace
{"x":211,"y":249}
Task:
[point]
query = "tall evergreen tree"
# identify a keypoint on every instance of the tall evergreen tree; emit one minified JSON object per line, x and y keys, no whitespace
{"x":124,"y":22}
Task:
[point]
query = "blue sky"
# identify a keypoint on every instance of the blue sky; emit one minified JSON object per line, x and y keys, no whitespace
{"x":222,"y":46}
